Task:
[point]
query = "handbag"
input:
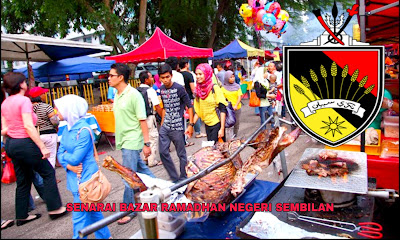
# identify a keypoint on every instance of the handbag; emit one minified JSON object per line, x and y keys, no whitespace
{"x":8,"y":171}
{"x":230,"y":118}
{"x":97,"y":188}
{"x":254,"y":100}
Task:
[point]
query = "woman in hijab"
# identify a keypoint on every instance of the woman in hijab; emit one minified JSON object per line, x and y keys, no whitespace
{"x":75,"y":154}
{"x":205,"y":104}
{"x":233,"y":94}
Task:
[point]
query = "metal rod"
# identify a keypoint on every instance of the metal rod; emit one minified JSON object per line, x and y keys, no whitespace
{"x":383,"y":8}
{"x":206,"y":171}
{"x":102,"y":223}
{"x":361,"y":14}
{"x":282,"y":156}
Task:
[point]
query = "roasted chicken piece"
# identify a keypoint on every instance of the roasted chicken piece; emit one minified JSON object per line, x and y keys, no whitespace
{"x":130,"y":176}
{"x":327,"y":154}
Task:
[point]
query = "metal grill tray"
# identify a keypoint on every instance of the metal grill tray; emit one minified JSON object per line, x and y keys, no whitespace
{"x":357,"y":179}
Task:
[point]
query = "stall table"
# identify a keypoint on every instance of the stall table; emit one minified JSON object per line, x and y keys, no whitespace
{"x":225,"y":226}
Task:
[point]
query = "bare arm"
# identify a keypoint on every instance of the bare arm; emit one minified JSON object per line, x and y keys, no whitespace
{"x":221,"y":131}
{"x":159,"y":110}
{"x":145,"y":131}
{"x":238,"y":102}
{"x":192,"y":87}
{"x":189,"y":129}
{"x":33,"y":134}
{"x":4,"y":127}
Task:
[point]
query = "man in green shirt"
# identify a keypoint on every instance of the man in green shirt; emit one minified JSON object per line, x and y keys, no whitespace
{"x":131,"y":132}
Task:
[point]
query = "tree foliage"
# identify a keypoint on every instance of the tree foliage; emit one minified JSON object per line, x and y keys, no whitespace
{"x":201,"y":23}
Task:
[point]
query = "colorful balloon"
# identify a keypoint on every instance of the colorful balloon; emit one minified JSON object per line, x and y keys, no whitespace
{"x":273,"y":8}
{"x":260,"y":14}
{"x":257,"y":4}
{"x":249,"y":21}
{"x":283,"y":30}
{"x":269,"y":19}
{"x":245,"y":10}
{"x":283,"y":15}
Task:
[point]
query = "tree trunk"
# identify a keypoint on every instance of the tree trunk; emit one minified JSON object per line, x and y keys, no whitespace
{"x":142,"y":21}
{"x":221,"y":8}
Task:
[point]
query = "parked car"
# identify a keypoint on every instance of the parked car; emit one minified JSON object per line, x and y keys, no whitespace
{"x":152,"y":68}
{"x":98,"y":77}
{"x":63,"y":80}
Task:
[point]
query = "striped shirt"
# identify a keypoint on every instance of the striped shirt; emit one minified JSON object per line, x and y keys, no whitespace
{"x":42,"y":111}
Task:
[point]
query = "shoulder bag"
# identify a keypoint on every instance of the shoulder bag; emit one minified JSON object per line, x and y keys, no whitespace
{"x":97,"y":188}
{"x":230,"y":118}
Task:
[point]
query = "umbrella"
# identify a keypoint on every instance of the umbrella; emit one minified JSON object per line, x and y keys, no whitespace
{"x":26,"y":47}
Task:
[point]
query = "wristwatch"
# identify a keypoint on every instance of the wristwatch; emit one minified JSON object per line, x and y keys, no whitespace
{"x":147,"y":144}
{"x":191,"y":124}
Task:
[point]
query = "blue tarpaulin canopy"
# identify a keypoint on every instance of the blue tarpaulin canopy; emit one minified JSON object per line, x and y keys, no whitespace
{"x":76,"y":68}
{"x":238,"y":49}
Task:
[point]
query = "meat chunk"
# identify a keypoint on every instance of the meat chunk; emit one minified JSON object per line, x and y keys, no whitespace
{"x":314,"y":167}
{"x":327,"y":154}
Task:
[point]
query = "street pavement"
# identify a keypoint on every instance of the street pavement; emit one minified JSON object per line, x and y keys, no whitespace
{"x":62,"y":228}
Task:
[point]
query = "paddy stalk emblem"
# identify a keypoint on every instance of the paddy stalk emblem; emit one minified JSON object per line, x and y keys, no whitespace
{"x":325,"y":101}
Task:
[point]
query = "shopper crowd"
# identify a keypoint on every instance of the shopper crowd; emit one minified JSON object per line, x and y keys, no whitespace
{"x":167,"y":108}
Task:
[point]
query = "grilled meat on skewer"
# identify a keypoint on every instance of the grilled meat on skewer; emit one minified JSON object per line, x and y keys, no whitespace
{"x":130,"y":176}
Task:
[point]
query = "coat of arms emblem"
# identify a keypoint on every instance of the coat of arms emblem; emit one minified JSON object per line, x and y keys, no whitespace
{"x":333,"y":86}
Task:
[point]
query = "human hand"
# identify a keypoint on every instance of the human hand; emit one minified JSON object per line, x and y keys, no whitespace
{"x":189,"y":131}
{"x":45,"y":152}
{"x":146,"y":151}
{"x":76,"y":169}
{"x":387,"y":103}
{"x":221,"y":133}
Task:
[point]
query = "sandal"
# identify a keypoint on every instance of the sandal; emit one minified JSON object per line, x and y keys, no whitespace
{"x":23,"y":221}
{"x":201,"y":135}
{"x":120,"y":222}
{"x":6,"y":224}
{"x":189,"y":144}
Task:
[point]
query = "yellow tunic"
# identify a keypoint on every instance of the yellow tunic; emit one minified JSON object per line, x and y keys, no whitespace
{"x":233,"y":96}
{"x":205,"y":109}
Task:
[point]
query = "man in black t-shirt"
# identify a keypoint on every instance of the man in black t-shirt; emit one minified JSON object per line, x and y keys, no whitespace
{"x":187,"y":76}
{"x":175,"y":99}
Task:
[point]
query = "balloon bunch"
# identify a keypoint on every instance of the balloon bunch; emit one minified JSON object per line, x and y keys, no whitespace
{"x":265,"y":15}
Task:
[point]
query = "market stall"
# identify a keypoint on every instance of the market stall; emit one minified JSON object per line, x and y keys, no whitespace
{"x":158,"y":48}
{"x":239,"y":50}
{"x":77,"y":68}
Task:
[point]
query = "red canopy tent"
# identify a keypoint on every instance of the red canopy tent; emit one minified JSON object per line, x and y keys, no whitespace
{"x":381,"y":21}
{"x":158,"y":48}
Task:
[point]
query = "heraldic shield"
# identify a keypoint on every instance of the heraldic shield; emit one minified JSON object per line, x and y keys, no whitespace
{"x":333,"y":93}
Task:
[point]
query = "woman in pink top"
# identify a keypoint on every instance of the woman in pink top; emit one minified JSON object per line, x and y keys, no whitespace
{"x":26,"y":150}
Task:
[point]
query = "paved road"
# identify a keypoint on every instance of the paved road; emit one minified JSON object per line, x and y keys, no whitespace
{"x":62,"y":228}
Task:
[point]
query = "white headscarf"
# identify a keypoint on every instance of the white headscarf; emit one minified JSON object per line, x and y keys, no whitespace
{"x":72,"y":108}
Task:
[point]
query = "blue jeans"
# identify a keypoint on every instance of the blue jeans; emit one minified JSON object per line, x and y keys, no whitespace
{"x":263,"y":111}
{"x":37,"y":181}
{"x":131,"y":159}
{"x":81,"y":220}
{"x":257,"y":110}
